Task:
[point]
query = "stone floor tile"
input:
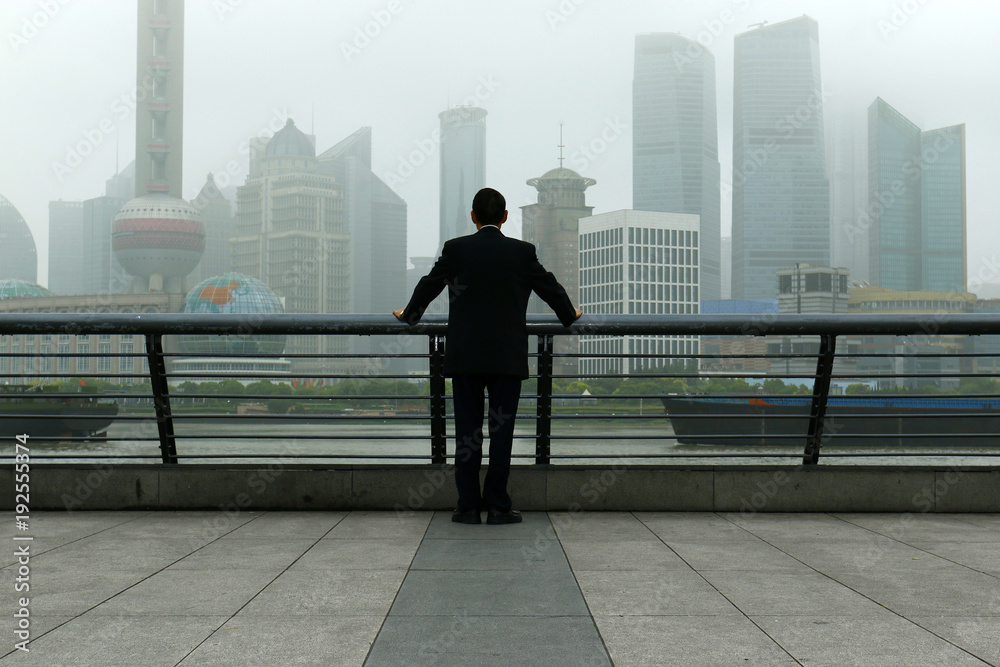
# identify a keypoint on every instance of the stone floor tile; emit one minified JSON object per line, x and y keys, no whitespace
{"x":886,"y":640}
{"x":634,"y":556}
{"x":328,"y":593}
{"x":665,"y":592}
{"x":488,"y":554}
{"x":533,"y":592}
{"x":178,"y":592}
{"x":121,"y":641}
{"x":282,"y":640}
{"x":790,"y":593}
{"x":359,"y":554}
{"x":489,"y":641}
{"x":287,"y":525}
{"x":377,"y":525}
{"x":706,"y":641}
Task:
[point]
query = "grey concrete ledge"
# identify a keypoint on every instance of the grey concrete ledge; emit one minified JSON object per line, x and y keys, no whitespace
{"x":407,"y":488}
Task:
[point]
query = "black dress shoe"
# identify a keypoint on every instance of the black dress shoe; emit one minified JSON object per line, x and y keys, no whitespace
{"x":495,"y":516}
{"x":466,"y":516}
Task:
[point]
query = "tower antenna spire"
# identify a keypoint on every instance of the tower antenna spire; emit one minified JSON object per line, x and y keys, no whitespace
{"x":561,"y":145}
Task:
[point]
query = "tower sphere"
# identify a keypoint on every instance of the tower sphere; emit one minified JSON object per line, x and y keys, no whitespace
{"x":158,"y":234}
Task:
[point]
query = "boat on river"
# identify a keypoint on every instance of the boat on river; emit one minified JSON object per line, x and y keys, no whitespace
{"x":24,"y":410}
{"x":850,"y":420}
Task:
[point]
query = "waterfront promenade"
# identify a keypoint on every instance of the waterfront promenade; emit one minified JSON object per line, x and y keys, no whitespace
{"x":622,"y":588}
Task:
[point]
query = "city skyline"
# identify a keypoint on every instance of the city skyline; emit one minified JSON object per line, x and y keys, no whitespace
{"x":520,"y":144}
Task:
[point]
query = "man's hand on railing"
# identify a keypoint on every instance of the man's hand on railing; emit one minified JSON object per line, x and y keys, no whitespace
{"x":399,"y":313}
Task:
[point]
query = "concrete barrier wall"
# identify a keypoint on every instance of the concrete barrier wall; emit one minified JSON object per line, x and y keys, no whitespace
{"x":561,"y":488}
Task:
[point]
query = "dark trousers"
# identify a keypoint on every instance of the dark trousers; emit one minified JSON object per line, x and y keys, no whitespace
{"x":467,"y":391}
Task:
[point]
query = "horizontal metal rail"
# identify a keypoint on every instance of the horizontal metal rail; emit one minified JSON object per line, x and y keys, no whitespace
{"x":159,"y":403}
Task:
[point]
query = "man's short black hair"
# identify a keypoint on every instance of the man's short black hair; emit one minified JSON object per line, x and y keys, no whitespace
{"x":489,"y":205}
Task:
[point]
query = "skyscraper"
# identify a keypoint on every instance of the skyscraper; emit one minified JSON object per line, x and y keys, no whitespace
{"x":376,"y":221}
{"x":916,"y":183}
{"x":220,"y":225}
{"x":66,"y":247}
{"x":291,"y":235}
{"x":18,"y":255}
{"x":848,"y":161}
{"x":675,"y":155}
{"x":102,"y":271}
{"x":463,"y":168}
{"x":375,"y":218}
{"x":781,"y":193}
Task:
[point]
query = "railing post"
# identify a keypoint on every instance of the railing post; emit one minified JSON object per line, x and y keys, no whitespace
{"x":438,"y":410}
{"x":543,"y":436}
{"x":821,"y":392}
{"x":161,"y":397}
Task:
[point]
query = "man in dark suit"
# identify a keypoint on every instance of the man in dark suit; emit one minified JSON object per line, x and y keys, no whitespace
{"x":489,"y":277}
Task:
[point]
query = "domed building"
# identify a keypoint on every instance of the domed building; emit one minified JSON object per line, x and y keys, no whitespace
{"x":12,"y":288}
{"x":158,"y":239}
{"x":228,"y":294}
{"x":289,"y":149}
{"x":292,"y":236}
{"x":18,"y":255}
{"x":553,"y":225}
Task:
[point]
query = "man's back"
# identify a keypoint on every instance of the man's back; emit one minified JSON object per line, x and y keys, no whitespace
{"x":490,"y":278}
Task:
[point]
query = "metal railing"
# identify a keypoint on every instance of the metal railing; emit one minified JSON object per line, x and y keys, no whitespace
{"x":162,"y":404}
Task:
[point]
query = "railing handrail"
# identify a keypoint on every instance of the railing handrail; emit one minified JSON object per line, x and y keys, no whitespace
{"x":153,"y":326}
{"x":930,"y":324}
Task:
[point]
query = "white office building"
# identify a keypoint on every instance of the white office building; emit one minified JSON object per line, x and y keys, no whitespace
{"x":638,"y":263}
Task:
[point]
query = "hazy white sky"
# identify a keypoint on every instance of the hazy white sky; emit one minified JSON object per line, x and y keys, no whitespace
{"x":67,"y":69}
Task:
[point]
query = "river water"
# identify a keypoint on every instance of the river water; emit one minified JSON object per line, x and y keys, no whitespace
{"x":574,"y":441}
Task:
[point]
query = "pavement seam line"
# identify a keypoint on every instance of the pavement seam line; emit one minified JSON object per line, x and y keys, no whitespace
{"x":254,"y":596}
{"x":569,"y":564}
{"x":851,"y":588}
{"x":913,"y":546}
{"x":60,"y":546}
{"x":724,"y":596}
{"x":90,"y":609}
{"x":402,"y":582}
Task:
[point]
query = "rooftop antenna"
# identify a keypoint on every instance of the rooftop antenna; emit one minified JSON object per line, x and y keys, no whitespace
{"x":758,"y":25}
{"x":561,"y":145}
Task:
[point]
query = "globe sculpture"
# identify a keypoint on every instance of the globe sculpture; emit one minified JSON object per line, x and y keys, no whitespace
{"x":159,"y":239}
{"x":233,"y":293}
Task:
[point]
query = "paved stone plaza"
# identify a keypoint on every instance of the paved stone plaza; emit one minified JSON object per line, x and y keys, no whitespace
{"x":378,"y":588}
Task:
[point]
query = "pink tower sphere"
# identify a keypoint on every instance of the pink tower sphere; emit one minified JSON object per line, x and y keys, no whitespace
{"x":158,"y":234}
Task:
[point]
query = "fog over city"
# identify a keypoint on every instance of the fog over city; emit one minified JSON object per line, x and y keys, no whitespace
{"x":68,"y":72}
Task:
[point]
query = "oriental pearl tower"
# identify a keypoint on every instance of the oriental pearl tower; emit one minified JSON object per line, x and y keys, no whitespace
{"x":158,"y":237}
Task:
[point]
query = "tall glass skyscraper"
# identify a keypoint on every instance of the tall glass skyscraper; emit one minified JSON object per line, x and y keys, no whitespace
{"x":916,"y":183}
{"x":463,"y":168}
{"x":675,"y":151}
{"x":781,"y":192}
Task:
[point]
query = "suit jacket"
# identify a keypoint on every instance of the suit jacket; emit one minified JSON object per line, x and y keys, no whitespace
{"x":489,"y":278}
